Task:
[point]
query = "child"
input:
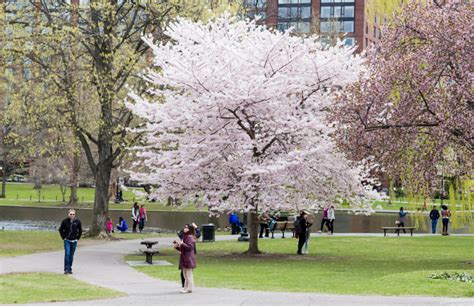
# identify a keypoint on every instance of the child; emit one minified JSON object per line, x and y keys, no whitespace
{"x":142,"y":215}
{"x":109,"y":226}
{"x":122,"y":226}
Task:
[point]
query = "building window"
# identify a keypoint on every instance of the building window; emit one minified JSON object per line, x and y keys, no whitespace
{"x":348,"y":26}
{"x":326,"y":12}
{"x":298,"y":27}
{"x":348,"y":11}
{"x":326,"y":27}
{"x":294,"y":1}
{"x":305,"y":12}
{"x":337,"y":1}
{"x":282,"y":26}
{"x":337,"y":16}
{"x":337,"y":11}
{"x":289,"y":12}
{"x":349,"y":41}
{"x":294,"y":14}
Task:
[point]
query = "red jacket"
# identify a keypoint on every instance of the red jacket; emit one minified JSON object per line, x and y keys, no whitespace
{"x":187,"y":259}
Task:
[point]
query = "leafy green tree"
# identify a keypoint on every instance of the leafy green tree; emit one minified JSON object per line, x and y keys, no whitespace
{"x":82,"y":58}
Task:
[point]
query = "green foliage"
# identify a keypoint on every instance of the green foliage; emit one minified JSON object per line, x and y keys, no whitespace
{"x":337,"y":265}
{"x":48,"y":287}
{"x":71,"y":70}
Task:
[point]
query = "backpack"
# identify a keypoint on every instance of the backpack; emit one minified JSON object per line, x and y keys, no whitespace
{"x":271,"y":225}
{"x":297,"y":225}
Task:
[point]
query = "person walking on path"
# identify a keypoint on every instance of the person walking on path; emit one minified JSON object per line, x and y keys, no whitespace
{"x":187,"y":258}
{"x":331,"y":218}
{"x":445,"y":214}
{"x":135,"y":216}
{"x":434,"y":216}
{"x":302,"y":231}
{"x":401,"y":219}
{"x":142,"y":215}
{"x":70,"y":231}
{"x":325,"y":219}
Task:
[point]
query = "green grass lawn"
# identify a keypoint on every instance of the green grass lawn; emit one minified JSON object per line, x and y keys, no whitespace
{"x":23,"y":194}
{"x":338,"y":265}
{"x":16,"y":243}
{"x":407,"y":204}
{"x":48,"y":287}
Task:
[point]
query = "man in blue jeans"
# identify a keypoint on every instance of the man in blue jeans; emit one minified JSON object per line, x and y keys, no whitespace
{"x":434,"y":216}
{"x":70,"y":231}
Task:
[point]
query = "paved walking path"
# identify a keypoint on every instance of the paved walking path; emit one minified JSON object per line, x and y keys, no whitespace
{"x":103,"y":265}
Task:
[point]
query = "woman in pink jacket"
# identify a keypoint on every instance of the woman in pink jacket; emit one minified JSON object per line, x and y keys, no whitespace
{"x":187,"y":259}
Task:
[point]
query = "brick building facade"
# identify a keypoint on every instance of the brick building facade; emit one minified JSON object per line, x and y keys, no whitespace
{"x":331,"y":19}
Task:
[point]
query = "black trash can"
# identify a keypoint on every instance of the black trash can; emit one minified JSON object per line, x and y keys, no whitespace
{"x":208,"y":232}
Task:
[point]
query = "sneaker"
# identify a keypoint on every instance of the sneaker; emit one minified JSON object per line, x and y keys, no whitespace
{"x":319,"y":232}
{"x":69,"y":272}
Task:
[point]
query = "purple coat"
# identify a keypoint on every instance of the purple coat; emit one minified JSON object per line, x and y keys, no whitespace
{"x":187,"y":259}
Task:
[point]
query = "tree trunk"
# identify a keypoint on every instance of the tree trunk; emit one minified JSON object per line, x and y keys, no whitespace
{"x":4,"y":185}
{"x":253,"y":233}
{"x":73,"y":199}
{"x":101,"y":201}
{"x":4,"y":164}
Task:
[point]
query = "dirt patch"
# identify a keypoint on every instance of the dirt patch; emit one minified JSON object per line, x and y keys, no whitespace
{"x":265,"y":256}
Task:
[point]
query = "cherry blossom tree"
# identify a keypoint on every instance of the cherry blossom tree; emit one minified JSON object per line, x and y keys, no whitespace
{"x":412,"y":111}
{"x":236,"y":120}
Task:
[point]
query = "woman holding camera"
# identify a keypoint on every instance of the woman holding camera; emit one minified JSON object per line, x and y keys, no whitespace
{"x":187,"y":259}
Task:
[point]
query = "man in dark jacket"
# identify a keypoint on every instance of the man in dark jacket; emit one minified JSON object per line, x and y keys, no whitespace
{"x":302,"y":231}
{"x":434,"y":216}
{"x":70,"y":231}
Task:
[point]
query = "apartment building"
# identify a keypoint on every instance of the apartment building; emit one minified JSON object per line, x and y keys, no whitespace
{"x":356,"y":22}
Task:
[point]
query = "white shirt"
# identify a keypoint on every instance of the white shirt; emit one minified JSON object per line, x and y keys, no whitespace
{"x":331,"y":214}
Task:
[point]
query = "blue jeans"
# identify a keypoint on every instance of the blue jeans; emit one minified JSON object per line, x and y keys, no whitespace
{"x":433,"y":225}
{"x":69,"y":249}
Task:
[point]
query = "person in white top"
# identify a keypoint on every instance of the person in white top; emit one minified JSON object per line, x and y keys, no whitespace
{"x":135,"y":216}
{"x":331,"y":218}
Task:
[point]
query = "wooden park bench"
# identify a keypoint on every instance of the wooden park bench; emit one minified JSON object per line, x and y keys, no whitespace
{"x":284,"y":226}
{"x":397,"y":229}
{"x":149,"y":251}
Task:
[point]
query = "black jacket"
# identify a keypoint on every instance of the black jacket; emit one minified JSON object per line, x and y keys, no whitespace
{"x":70,"y":230}
{"x":434,"y":214}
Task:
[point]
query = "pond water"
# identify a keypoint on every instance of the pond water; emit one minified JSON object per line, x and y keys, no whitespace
{"x":28,"y":225}
{"x":49,"y":218}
